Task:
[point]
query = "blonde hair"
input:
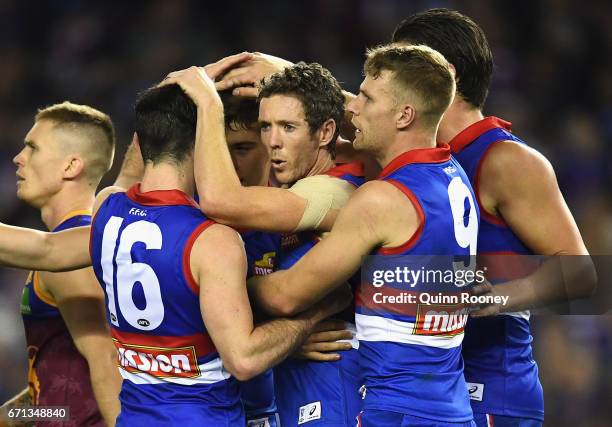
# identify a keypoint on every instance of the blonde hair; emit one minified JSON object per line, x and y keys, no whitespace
{"x":95,"y":130}
{"x":417,"y":70}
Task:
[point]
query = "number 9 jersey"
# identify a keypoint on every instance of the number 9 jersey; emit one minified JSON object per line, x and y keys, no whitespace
{"x":173,"y":375}
{"x":410,"y":351}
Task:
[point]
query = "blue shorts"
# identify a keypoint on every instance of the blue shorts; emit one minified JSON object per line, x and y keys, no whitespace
{"x":167,"y":405}
{"x":490,"y":420}
{"x":315,"y":394}
{"x":376,"y":418}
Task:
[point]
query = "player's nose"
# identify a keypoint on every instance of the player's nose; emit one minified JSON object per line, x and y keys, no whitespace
{"x":18,"y":160}
{"x":275,"y":141}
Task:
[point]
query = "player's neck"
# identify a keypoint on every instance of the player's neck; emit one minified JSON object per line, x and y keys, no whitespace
{"x":167,"y":176}
{"x":413,"y":139}
{"x":458,"y":117}
{"x":323,"y":163}
{"x":65,"y":202}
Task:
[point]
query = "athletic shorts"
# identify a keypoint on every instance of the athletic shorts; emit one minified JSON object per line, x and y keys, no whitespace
{"x":316,"y":394}
{"x":376,"y":418}
{"x":490,"y":420}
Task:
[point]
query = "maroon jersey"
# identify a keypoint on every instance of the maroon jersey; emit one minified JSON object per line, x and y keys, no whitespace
{"x":57,"y":375}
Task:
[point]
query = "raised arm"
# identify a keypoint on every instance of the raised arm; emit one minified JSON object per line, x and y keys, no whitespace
{"x":519,"y":185}
{"x":222,"y":196}
{"x":80,"y":300}
{"x":246,"y":350}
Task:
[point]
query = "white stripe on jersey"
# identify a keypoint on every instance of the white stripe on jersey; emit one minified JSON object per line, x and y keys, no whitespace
{"x":354,"y":342}
{"x":376,"y":328}
{"x":212,"y":372}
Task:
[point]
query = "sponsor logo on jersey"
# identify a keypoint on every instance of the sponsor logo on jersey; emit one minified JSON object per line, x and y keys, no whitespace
{"x":265,"y":265}
{"x":309,"y":412}
{"x":440,"y":320}
{"x":449,"y":170}
{"x":475,"y":390}
{"x":159,"y":362}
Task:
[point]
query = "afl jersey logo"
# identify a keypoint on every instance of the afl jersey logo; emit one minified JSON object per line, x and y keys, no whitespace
{"x":143,"y":322}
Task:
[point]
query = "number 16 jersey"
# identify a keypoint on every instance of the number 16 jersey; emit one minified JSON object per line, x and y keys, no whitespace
{"x":173,"y":375}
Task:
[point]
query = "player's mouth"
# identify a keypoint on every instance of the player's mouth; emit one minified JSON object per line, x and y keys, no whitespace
{"x":19,"y":178}
{"x":278,"y":164}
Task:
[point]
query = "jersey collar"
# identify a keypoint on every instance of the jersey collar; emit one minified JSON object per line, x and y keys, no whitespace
{"x":354,"y":168}
{"x":160,"y":197}
{"x":473,"y":131}
{"x":439,"y":154}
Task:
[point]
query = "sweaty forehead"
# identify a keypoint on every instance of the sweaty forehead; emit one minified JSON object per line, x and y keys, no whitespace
{"x":281,"y":108}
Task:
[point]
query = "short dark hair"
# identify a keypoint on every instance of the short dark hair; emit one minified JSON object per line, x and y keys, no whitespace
{"x":165,"y":123}
{"x":240,"y":113}
{"x":461,"y":41}
{"x":318,"y":91}
{"x":419,"y":71}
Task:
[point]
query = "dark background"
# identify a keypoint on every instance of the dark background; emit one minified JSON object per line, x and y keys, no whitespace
{"x":553,"y":80}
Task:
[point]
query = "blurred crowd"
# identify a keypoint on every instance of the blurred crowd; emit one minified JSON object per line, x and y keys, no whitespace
{"x":553,"y":81}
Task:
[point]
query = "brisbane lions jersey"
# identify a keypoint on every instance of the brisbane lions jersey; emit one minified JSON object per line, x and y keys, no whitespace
{"x":57,"y":373}
{"x":499,"y":367}
{"x":173,"y":375}
{"x":410,"y":351}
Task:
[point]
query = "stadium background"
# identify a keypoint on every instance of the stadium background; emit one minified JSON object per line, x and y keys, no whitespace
{"x":553,"y":80}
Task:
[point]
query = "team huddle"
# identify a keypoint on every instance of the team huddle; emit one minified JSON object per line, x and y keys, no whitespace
{"x":217,"y":282}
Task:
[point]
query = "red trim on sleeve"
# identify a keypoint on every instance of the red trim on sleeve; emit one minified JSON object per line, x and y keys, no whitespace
{"x":160,"y":197}
{"x":483,"y":213}
{"x":396,"y":250}
{"x":420,"y":155}
{"x":201,"y":341}
{"x":193,"y":285}
{"x":354,"y":168}
{"x":473,"y":131}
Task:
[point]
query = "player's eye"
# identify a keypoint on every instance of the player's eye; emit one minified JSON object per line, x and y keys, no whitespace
{"x":289,"y":127}
{"x":264,"y":127}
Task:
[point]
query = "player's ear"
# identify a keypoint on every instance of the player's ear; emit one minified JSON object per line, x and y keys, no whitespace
{"x":326,"y":132}
{"x":405,"y":117}
{"x":73,"y":167}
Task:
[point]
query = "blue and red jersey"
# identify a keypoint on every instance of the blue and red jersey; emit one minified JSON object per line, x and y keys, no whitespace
{"x":410,"y":352}
{"x":499,"y":366}
{"x":58,"y":375}
{"x":318,"y":393}
{"x":258,"y":395}
{"x":173,"y":375}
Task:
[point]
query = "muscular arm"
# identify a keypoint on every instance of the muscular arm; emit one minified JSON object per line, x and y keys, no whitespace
{"x":519,"y":185}
{"x":36,"y":250}
{"x":80,"y":300}
{"x":246,"y":350}
{"x":376,"y":215}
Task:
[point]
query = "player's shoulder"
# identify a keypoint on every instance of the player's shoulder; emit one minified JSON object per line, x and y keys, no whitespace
{"x":105,"y":194}
{"x":513,"y":160}
{"x":378,"y":195}
{"x":218,"y":236}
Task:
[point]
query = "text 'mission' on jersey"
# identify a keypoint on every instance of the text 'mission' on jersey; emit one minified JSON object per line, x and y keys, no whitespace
{"x":173,"y":375}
